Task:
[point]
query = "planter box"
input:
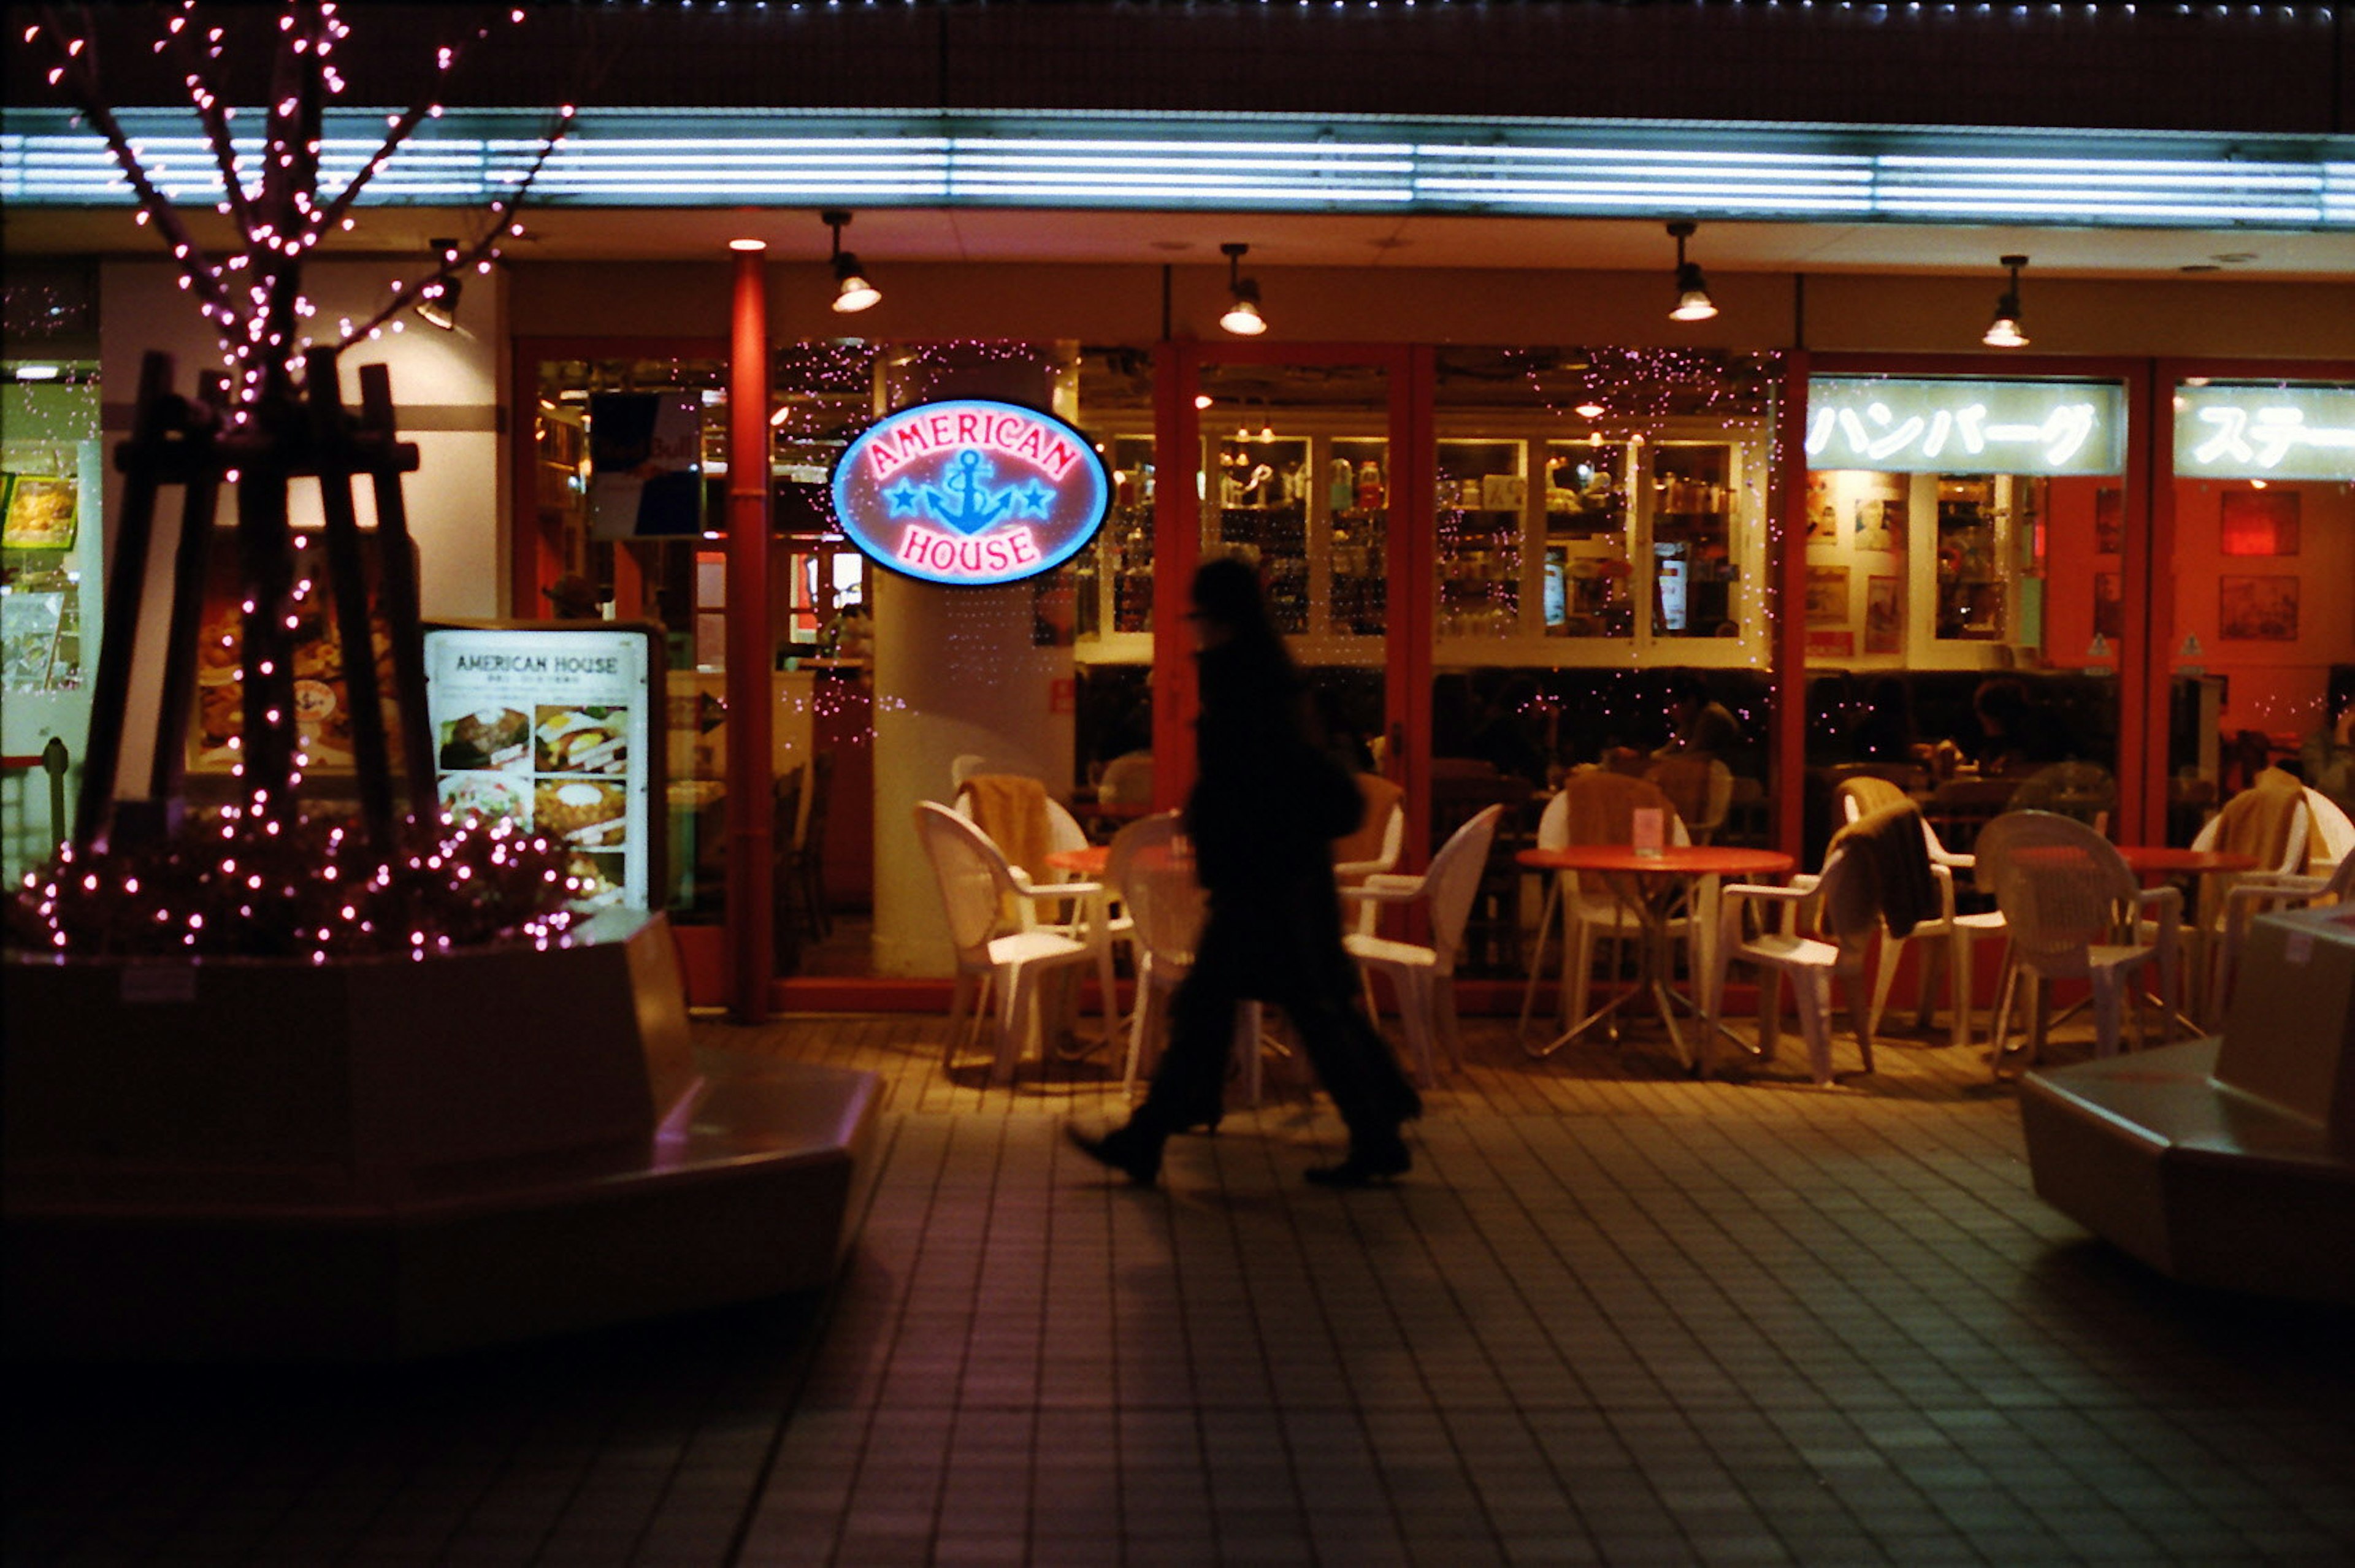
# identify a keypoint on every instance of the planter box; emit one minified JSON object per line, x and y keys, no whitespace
{"x":385,"y":1158}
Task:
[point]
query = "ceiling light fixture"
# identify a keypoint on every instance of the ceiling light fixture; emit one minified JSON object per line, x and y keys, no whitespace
{"x":2003,"y":331}
{"x":748,"y":245}
{"x":1242,"y":318}
{"x":1589,"y":410}
{"x":852,"y":291}
{"x":1693,"y":303}
{"x":437,"y":302}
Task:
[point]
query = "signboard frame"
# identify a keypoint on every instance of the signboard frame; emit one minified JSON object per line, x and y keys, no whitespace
{"x":915,"y":491}
{"x":560,"y":678}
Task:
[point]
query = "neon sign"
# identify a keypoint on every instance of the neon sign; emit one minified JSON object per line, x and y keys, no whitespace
{"x":1944,"y":427}
{"x":2266,"y":432}
{"x":971,"y":492}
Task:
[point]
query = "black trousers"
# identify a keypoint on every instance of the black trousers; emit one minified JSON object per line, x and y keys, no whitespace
{"x":1252,"y":958}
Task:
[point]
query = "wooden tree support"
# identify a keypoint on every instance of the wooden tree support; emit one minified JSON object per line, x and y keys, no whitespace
{"x":198,"y":445}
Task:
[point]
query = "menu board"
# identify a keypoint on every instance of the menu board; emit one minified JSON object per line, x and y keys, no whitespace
{"x":549,"y":726}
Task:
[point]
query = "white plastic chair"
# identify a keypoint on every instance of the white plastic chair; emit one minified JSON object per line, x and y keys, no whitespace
{"x":1425,"y":976}
{"x":2261,"y":894}
{"x":1848,"y":918}
{"x":2209,"y":932}
{"x":1591,"y":912}
{"x":1950,"y":935}
{"x":1085,"y":912}
{"x":974,"y":880}
{"x":2067,"y":899}
{"x":1127,"y":780}
{"x":1165,"y":911}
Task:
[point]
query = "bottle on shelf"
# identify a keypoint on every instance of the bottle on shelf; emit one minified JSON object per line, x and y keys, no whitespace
{"x":1369,"y":486}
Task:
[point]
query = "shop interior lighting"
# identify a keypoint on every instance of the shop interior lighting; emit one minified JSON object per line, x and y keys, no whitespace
{"x":2003,"y":331}
{"x":852,"y":291}
{"x":748,"y":245}
{"x":1242,"y":318}
{"x":1693,"y":303}
{"x":437,"y":303}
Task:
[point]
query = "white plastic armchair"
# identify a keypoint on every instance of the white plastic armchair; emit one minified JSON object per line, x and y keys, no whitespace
{"x":1948,"y":938}
{"x":1848,"y":920}
{"x":2073,"y":910}
{"x":975,"y":885}
{"x":1166,"y":909}
{"x":1423,"y":976}
{"x":2260,"y":895}
{"x":1069,"y":906}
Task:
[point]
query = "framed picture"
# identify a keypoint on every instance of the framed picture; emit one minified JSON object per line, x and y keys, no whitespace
{"x":2109,"y":605}
{"x":40,"y":512}
{"x":2257,"y":609}
{"x":1826,"y":595}
{"x":2258,"y":522}
{"x":2109,"y":520}
{"x":1879,"y":525}
{"x":1823,"y":512}
{"x":1884,"y":627}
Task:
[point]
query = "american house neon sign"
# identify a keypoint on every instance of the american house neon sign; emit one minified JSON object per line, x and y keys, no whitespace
{"x":971,"y":492}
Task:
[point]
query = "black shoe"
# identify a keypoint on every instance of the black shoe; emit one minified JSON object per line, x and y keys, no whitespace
{"x":1364,"y":1168}
{"x":1123,"y":1149}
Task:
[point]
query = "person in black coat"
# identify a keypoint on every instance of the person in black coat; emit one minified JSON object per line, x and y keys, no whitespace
{"x":1266,"y":807}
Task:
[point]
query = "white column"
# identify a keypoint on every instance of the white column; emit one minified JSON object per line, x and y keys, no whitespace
{"x":955,"y":672}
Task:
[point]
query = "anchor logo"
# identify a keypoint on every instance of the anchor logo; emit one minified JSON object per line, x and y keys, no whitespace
{"x":966,"y":501}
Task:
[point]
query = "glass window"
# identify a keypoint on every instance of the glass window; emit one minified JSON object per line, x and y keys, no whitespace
{"x":2262,"y":638}
{"x":1960,"y":535}
{"x":52,"y":559}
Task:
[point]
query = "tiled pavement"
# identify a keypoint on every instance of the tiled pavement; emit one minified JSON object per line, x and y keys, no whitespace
{"x":1615,"y":1315}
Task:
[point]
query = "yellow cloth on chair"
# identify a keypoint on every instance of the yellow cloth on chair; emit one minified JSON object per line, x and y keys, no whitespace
{"x":1872,"y":794}
{"x":2256,"y":821}
{"x":1896,"y":858}
{"x":1366,"y":844}
{"x":1012,"y":810}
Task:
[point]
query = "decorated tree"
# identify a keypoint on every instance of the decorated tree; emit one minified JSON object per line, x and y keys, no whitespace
{"x":263,"y":877}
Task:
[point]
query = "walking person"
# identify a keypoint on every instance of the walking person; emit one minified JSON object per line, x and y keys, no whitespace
{"x":1265,"y":806}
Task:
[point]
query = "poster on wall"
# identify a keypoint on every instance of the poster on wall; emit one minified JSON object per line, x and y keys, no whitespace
{"x":646,"y":464}
{"x":2109,"y":519}
{"x":1884,"y":621}
{"x":1827,"y":596}
{"x":323,"y":709}
{"x":2257,"y":609}
{"x":2258,"y":522}
{"x":40,"y":511}
{"x":1880,"y":524}
{"x":552,"y":728}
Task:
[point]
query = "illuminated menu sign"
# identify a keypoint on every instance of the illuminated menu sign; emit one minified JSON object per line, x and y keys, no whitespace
{"x":971,"y":492}
{"x":1965,"y":427}
{"x":2264,"y":433}
{"x":550,"y":727}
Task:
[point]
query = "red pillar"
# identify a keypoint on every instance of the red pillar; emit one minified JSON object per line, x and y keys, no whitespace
{"x":751,"y":833}
{"x":1787,"y":596}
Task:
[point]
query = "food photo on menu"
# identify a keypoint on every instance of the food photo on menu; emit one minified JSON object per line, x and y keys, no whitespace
{"x":489,"y":797}
{"x":582,"y":740}
{"x":600,"y":877}
{"x":583,"y":815}
{"x":486,"y":738}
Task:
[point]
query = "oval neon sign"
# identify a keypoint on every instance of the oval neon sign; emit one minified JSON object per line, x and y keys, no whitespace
{"x":971,"y":492}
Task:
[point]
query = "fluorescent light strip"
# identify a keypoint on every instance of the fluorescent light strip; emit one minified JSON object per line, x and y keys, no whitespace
{"x":1436,"y":175}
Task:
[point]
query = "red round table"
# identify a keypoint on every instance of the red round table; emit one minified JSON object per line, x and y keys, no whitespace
{"x":1087,"y":864}
{"x":2166,"y":861}
{"x":1673,"y":866}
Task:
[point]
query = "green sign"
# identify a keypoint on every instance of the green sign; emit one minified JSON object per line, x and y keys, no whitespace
{"x":1895,"y":426}
{"x":2264,"y":433}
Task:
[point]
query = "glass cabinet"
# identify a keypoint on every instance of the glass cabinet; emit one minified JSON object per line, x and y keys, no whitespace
{"x":1311,"y":510}
{"x":1619,"y":544}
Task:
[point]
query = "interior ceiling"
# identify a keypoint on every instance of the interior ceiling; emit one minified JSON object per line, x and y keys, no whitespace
{"x":1288,"y":240}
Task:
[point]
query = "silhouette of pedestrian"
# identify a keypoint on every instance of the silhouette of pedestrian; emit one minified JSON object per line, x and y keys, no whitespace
{"x":1265,"y":806}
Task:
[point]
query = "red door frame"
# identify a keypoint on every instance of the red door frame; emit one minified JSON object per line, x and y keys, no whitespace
{"x":1410,"y":541}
